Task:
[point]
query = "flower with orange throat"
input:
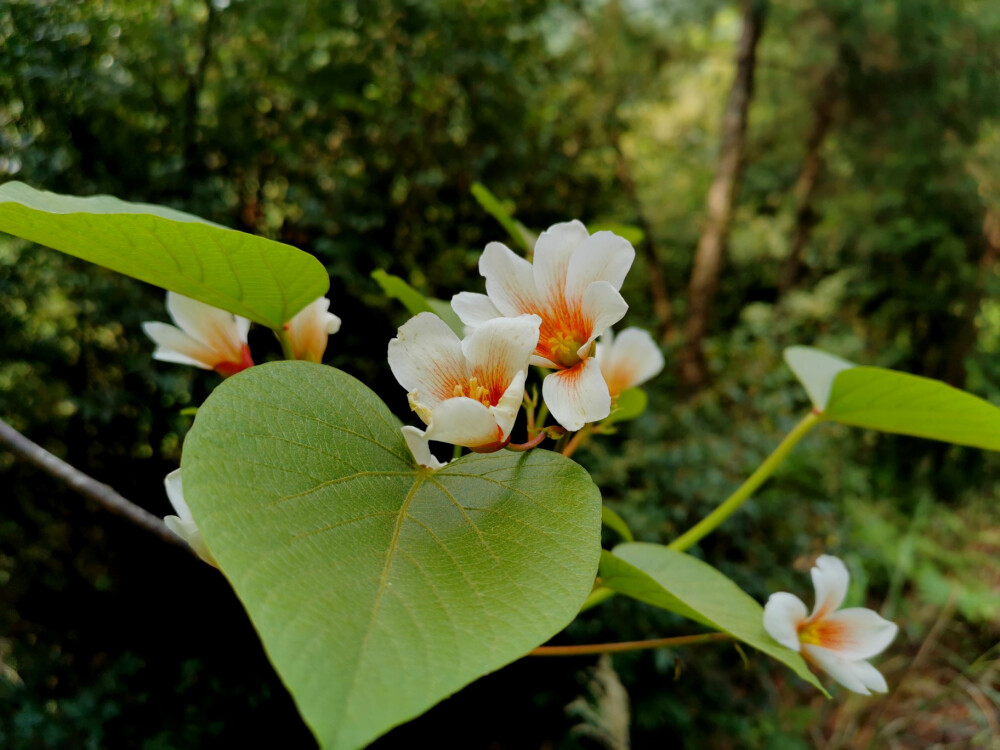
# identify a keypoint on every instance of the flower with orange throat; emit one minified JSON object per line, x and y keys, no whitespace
{"x":628,"y":359}
{"x":204,"y":337}
{"x":838,"y":642}
{"x":573,"y":287}
{"x":310,"y":329}
{"x":467,"y":392}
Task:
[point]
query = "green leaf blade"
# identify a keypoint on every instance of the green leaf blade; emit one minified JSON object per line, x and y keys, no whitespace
{"x":377,"y":587}
{"x":677,"y":582}
{"x":265,"y":281}
{"x":907,"y":404}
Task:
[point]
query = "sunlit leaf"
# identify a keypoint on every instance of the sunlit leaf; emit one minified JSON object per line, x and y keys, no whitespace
{"x":265,"y":281}
{"x":377,"y":587}
{"x":677,"y":582}
{"x":892,"y":401}
{"x":415,"y":303}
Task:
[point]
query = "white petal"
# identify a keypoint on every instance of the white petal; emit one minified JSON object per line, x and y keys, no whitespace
{"x":473,"y":309}
{"x":553,"y":250}
{"x":510,"y":280}
{"x":426,"y":356}
{"x":830,"y":579}
{"x":577,"y":395}
{"x":309,"y":330}
{"x":602,"y":307}
{"x":604,"y":256}
{"x":463,"y":421}
{"x":857,"y":633}
{"x":175,"y":493}
{"x":173,"y":345}
{"x":183,"y":524}
{"x":630,"y":360}
{"x":215,"y":328}
{"x":242,"y":328}
{"x":416,"y":441}
{"x":782,"y":615}
{"x":506,"y":409}
{"x":499,"y":349}
{"x":858,"y":676}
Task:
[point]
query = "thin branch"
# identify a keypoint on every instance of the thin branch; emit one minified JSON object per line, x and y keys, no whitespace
{"x":87,"y":486}
{"x":610,"y":648}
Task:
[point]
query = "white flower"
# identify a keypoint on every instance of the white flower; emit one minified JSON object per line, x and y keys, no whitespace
{"x":309,"y":330}
{"x":573,"y":287}
{"x":839,"y":643}
{"x":628,"y":360}
{"x":204,"y":337}
{"x":467,"y":392}
{"x":183,"y":523}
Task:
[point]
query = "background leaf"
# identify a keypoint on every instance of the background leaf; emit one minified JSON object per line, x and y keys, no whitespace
{"x":893,"y":401}
{"x":504,"y":214}
{"x":379,"y":588}
{"x":416,"y":303}
{"x":630,"y":404}
{"x":683,"y":584}
{"x":615,"y":522}
{"x":265,"y":281}
{"x":632,"y":233}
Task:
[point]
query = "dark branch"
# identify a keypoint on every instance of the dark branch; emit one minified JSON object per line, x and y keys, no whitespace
{"x":87,"y":486}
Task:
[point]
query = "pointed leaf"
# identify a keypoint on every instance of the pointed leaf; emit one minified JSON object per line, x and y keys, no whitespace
{"x":415,"y":303}
{"x":616,"y":523}
{"x":377,"y":587}
{"x":677,"y":582}
{"x":265,"y":281}
{"x":892,"y":401}
{"x":897,"y":402}
{"x":502,"y":213}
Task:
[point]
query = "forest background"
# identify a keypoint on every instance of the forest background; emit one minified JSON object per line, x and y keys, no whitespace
{"x":851,"y":149}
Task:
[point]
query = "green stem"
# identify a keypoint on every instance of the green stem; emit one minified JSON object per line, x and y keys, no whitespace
{"x":610,"y":648}
{"x":710,"y":522}
{"x":286,"y":344}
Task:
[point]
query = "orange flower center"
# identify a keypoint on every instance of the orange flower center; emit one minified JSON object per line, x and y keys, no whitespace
{"x":563,"y":349}
{"x":473,"y":390}
{"x":820,"y":632}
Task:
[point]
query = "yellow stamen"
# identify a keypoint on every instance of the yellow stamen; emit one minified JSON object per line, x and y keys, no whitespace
{"x":473,"y":390}
{"x":564,"y":349}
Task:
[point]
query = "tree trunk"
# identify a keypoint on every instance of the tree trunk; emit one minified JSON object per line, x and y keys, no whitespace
{"x":721,"y":196}
{"x":805,"y":187}
{"x":657,"y":281}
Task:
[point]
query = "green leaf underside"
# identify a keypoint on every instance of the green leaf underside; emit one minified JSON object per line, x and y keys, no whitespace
{"x":265,"y":281}
{"x":379,"y":588}
{"x":897,"y":402}
{"x":677,"y":582}
{"x":415,"y":303}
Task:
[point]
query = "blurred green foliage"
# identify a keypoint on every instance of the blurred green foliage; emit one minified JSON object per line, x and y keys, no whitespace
{"x":356,"y":130}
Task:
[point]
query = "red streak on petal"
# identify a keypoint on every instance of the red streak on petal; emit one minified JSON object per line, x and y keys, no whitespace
{"x":228,"y":368}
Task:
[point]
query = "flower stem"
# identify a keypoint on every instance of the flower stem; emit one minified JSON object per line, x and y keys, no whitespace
{"x":528,"y":445}
{"x":286,"y":344}
{"x":731,"y":504}
{"x":577,"y":440}
{"x":611,"y":648}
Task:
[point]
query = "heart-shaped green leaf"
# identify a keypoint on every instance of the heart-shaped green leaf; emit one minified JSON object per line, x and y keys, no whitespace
{"x":265,"y":281}
{"x":683,"y":584}
{"x":378,"y":587}
{"x":892,"y":401}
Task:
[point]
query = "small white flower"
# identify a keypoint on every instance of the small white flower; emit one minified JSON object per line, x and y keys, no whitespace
{"x":573,"y":287}
{"x":183,"y":523}
{"x":467,"y":392}
{"x":204,"y":337}
{"x":309,"y":330}
{"x":838,"y":642}
{"x":629,"y":359}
